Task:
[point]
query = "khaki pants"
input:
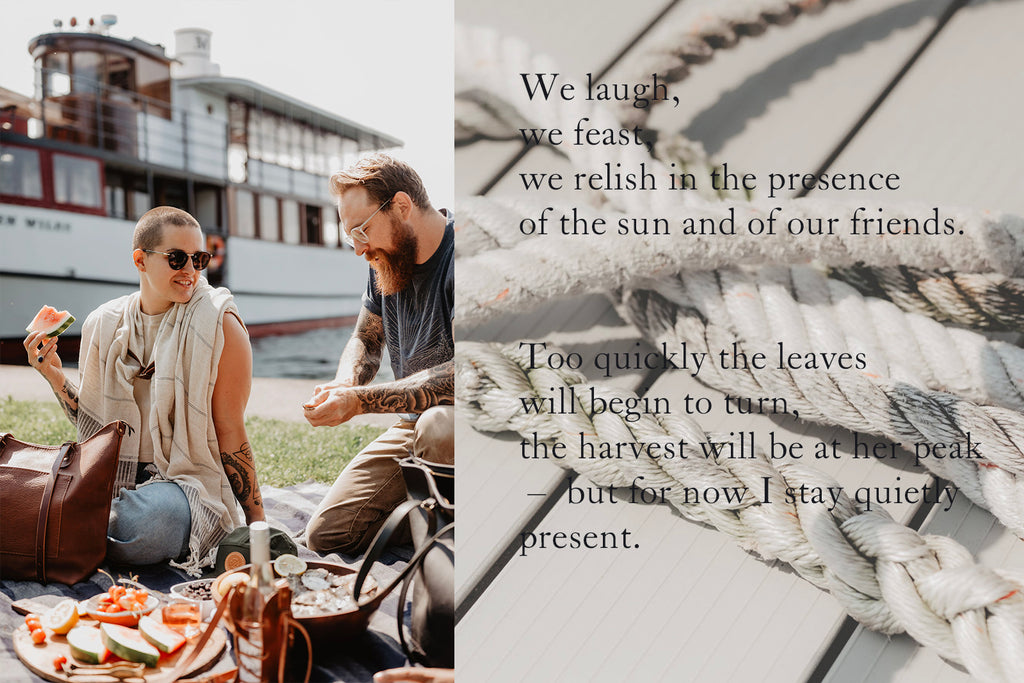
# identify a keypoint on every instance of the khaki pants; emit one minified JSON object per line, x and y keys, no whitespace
{"x":371,"y":486}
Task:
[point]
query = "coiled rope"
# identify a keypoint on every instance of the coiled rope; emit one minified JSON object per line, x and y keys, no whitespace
{"x":888,"y":577}
{"x":499,"y":264}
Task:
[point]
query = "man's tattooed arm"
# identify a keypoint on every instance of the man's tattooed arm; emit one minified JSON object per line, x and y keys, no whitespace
{"x":67,"y":395}
{"x":413,"y":394}
{"x":240,"y":468}
{"x":361,"y":357}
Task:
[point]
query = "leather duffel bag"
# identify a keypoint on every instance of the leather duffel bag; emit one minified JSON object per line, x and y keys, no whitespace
{"x":55,"y":505}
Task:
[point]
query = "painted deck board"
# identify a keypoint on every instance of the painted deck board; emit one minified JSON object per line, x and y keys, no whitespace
{"x":494,"y":480}
{"x":781,"y":101}
{"x":952,"y":127}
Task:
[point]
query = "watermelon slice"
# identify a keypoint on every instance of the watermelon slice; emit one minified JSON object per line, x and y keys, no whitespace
{"x":158,"y":635}
{"x":128,"y":644}
{"x":87,"y":645}
{"x":51,"y":321}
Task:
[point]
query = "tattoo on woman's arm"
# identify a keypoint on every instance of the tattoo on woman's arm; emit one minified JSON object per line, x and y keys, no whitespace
{"x":241,"y":472}
{"x":67,"y":395}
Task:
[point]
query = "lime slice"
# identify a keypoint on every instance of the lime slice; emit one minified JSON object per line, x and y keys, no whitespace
{"x":289,"y":565}
{"x":62,"y":617}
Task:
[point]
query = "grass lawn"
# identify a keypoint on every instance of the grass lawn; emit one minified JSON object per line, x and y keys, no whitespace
{"x":286,"y":452}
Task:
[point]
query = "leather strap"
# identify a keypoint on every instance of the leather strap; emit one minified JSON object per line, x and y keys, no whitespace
{"x":380,"y":541}
{"x":44,"y":508}
{"x":414,"y":562}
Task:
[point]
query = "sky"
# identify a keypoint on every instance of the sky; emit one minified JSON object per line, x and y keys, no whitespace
{"x":386,"y":64}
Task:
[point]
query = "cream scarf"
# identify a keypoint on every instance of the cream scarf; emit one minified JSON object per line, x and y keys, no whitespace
{"x":185,"y":450}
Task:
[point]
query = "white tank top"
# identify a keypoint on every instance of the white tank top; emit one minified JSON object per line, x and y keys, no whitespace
{"x":142,"y":387}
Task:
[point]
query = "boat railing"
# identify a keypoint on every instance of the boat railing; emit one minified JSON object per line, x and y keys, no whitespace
{"x":128,"y":124}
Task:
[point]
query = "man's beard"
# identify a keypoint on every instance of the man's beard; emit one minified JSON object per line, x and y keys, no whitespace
{"x":394,"y":269}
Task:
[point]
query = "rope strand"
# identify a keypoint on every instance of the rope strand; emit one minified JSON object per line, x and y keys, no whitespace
{"x":888,"y":577}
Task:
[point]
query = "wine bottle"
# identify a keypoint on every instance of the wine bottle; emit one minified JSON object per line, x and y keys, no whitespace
{"x":259,"y":589}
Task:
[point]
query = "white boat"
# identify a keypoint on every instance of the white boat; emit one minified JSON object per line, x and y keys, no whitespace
{"x":117,"y":127}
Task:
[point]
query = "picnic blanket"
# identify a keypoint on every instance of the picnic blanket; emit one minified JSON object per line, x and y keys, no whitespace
{"x":286,"y":508}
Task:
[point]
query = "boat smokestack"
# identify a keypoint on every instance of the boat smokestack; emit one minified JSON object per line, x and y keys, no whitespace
{"x":192,"y":50}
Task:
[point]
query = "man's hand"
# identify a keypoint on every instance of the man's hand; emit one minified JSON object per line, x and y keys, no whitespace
{"x":414,"y":674}
{"x":332,"y":407}
{"x":335,"y":383}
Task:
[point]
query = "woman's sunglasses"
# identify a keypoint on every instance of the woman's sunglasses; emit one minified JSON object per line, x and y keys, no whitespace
{"x":177,"y":258}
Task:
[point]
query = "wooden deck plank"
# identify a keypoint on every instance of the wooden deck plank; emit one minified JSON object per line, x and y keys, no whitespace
{"x":494,"y":480}
{"x":578,"y":36}
{"x":781,"y":101}
{"x":952,"y":126}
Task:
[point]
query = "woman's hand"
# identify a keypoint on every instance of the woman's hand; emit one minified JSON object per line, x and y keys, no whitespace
{"x":42,"y":355}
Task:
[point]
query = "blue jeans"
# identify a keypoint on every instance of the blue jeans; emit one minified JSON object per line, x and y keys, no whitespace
{"x":148,"y":525}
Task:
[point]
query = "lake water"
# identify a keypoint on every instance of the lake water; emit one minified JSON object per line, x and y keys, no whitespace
{"x":309,"y":355}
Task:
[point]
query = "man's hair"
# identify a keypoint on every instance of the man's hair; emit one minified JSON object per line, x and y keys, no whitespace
{"x":382,"y":176}
{"x":150,"y":228}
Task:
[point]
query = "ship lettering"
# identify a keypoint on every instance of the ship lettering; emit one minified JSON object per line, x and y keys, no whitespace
{"x":55,"y":226}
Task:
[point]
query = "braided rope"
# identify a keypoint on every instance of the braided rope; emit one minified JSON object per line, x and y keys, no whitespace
{"x":893,"y":408}
{"x":489,"y":103}
{"x":983,"y":301}
{"x":491,"y":100}
{"x":700,"y":30}
{"x":888,"y":577}
{"x":499,"y":264}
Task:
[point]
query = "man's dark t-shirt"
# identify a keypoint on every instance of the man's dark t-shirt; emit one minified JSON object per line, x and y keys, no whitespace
{"x":418,"y":319}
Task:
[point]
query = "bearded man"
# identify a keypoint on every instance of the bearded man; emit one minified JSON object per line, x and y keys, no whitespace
{"x":388,"y":219}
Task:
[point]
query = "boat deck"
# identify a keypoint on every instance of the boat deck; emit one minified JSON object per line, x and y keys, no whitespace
{"x":931,"y":90}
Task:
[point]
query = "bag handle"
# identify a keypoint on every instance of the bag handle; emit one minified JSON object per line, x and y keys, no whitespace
{"x":63,"y":459}
{"x":381,"y":540}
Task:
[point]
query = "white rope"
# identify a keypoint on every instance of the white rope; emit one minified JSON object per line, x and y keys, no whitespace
{"x":521,"y":273}
{"x":886,"y":576}
{"x":981,"y":300}
{"x":888,"y":406}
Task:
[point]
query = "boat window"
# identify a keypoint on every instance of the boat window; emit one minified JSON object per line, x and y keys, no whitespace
{"x":207,"y":208}
{"x":333,"y":148}
{"x":245,"y":213}
{"x":312,"y":234}
{"x":269,"y":218}
{"x":19,"y":173}
{"x":140,"y":204}
{"x":153,"y":81}
{"x":120,"y":77}
{"x":170,"y":192}
{"x":76,"y":180}
{"x":56,"y":81}
{"x":86,"y":72}
{"x":329,"y":220}
{"x":117,"y":207}
{"x":290,"y":221}
{"x":349,"y":152}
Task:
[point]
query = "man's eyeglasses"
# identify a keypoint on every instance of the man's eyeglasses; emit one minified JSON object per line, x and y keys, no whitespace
{"x":176,"y":258}
{"x":358,"y":234}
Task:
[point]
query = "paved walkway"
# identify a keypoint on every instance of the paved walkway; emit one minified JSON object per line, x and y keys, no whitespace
{"x":271,"y":397}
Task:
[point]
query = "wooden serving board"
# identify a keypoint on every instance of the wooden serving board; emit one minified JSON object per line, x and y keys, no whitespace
{"x":39,"y":658}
